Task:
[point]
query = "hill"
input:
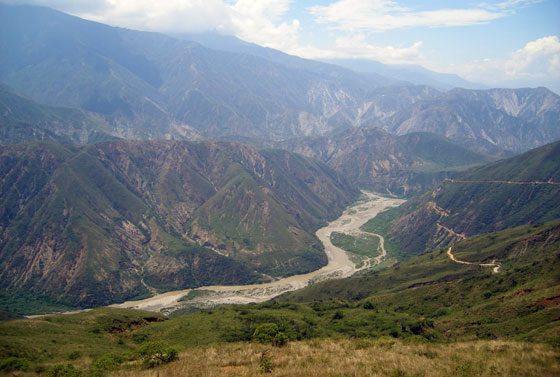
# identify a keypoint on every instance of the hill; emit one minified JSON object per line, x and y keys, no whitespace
{"x":24,"y":120}
{"x":466,"y":300}
{"x":93,"y":225}
{"x":520,"y":190}
{"x":156,"y":86}
{"x":376,"y":160}
{"x":427,"y":311}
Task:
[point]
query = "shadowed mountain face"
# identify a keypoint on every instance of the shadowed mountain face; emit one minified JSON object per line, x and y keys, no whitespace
{"x":94,"y":225}
{"x":375,"y":159}
{"x":24,"y":120}
{"x":148,"y":86}
{"x":524,"y":189}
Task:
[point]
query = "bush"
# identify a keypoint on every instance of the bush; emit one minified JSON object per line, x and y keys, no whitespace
{"x":139,"y":338}
{"x":74,"y":355}
{"x":11,"y":364}
{"x":61,"y":370}
{"x":265,"y":333}
{"x":156,"y":353}
{"x":280,"y":339}
{"x":265,"y":364}
{"x":109,"y":361}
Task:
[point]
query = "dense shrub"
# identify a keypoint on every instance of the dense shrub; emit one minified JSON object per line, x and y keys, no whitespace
{"x":156,"y":353}
{"x":11,"y":364}
{"x":62,"y":370}
{"x":265,"y":332}
{"x":109,"y":361}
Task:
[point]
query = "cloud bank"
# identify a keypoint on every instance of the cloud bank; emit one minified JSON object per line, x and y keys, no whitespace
{"x":383,"y":15}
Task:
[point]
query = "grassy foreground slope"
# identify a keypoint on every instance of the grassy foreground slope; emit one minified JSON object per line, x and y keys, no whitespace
{"x":465,"y":301}
{"x":396,"y":322}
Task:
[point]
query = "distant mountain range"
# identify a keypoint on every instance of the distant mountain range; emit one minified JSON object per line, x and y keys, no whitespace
{"x":375,"y":159}
{"x":97,"y":224}
{"x":23,"y":120}
{"x":155,"y":86}
{"x":407,"y":73}
{"x":524,"y":189}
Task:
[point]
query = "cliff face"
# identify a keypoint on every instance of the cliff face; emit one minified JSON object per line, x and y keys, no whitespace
{"x":102,"y":223}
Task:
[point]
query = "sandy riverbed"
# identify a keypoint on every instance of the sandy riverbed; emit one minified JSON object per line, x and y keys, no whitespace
{"x":339,"y":266}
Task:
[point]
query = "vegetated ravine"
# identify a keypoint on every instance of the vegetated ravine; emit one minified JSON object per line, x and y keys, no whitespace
{"x":339,"y":266}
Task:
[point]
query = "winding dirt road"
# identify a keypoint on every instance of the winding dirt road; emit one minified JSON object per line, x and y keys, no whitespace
{"x":494,"y":265}
{"x":339,"y":266}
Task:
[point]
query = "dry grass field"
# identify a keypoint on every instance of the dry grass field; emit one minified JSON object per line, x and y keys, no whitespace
{"x":381,"y":357}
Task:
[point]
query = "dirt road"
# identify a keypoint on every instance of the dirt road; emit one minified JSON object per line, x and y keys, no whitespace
{"x":339,"y":266}
{"x":494,"y":265}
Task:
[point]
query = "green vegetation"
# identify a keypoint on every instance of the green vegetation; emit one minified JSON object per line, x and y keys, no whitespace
{"x":497,"y":196}
{"x":196,"y":293}
{"x":205,"y":209}
{"x":156,"y":353}
{"x":365,"y":244}
{"x":359,"y":248}
{"x":437,"y":153}
{"x":424,"y":300}
{"x":380,"y":225}
{"x":466,"y":301}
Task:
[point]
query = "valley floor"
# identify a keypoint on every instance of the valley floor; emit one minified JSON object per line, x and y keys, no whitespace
{"x":362,"y":357}
{"x":339,"y":266}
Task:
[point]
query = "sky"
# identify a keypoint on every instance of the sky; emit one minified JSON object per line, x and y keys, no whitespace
{"x":497,"y":43}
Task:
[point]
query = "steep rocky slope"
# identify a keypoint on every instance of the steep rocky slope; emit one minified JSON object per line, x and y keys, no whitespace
{"x":23,"y":120}
{"x":97,"y":224}
{"x":374,"y":159}
{"x":156,"y":86}
{"x":486,"y":120}
{"x":524,"y":189}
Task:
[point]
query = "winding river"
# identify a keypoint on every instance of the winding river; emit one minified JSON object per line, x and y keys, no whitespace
{"x":339,"y":266}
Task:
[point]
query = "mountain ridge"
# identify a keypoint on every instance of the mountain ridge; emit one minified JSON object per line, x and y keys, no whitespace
{"x":493,"y":197}
{"x":155,"y":86}
{"x":97,"y":224}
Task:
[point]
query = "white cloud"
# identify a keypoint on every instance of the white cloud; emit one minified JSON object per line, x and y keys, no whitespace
{"x":261,"y":22}
{"x":357,"y":47}
{"x":537,"y":62}
{"x":509,"y":4}
{"x":383,"y":15}
{"x":257,"y":21}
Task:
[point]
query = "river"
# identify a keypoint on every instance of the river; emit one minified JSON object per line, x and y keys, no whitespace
{"x":339,"y":266}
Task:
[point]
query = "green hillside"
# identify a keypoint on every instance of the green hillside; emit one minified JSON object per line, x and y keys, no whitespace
{"x":24,"y":121}
{"x":103,"y":223}
{"x":428,"y":303}
{"x":399,"y":165}
{"x":524,"y":189}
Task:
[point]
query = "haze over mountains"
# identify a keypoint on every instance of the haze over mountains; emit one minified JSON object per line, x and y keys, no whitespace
{"x":114,"y":219}
{"x":154,"y":86}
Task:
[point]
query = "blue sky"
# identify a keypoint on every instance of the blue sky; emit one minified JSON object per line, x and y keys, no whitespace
{"x":498,"y":43}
